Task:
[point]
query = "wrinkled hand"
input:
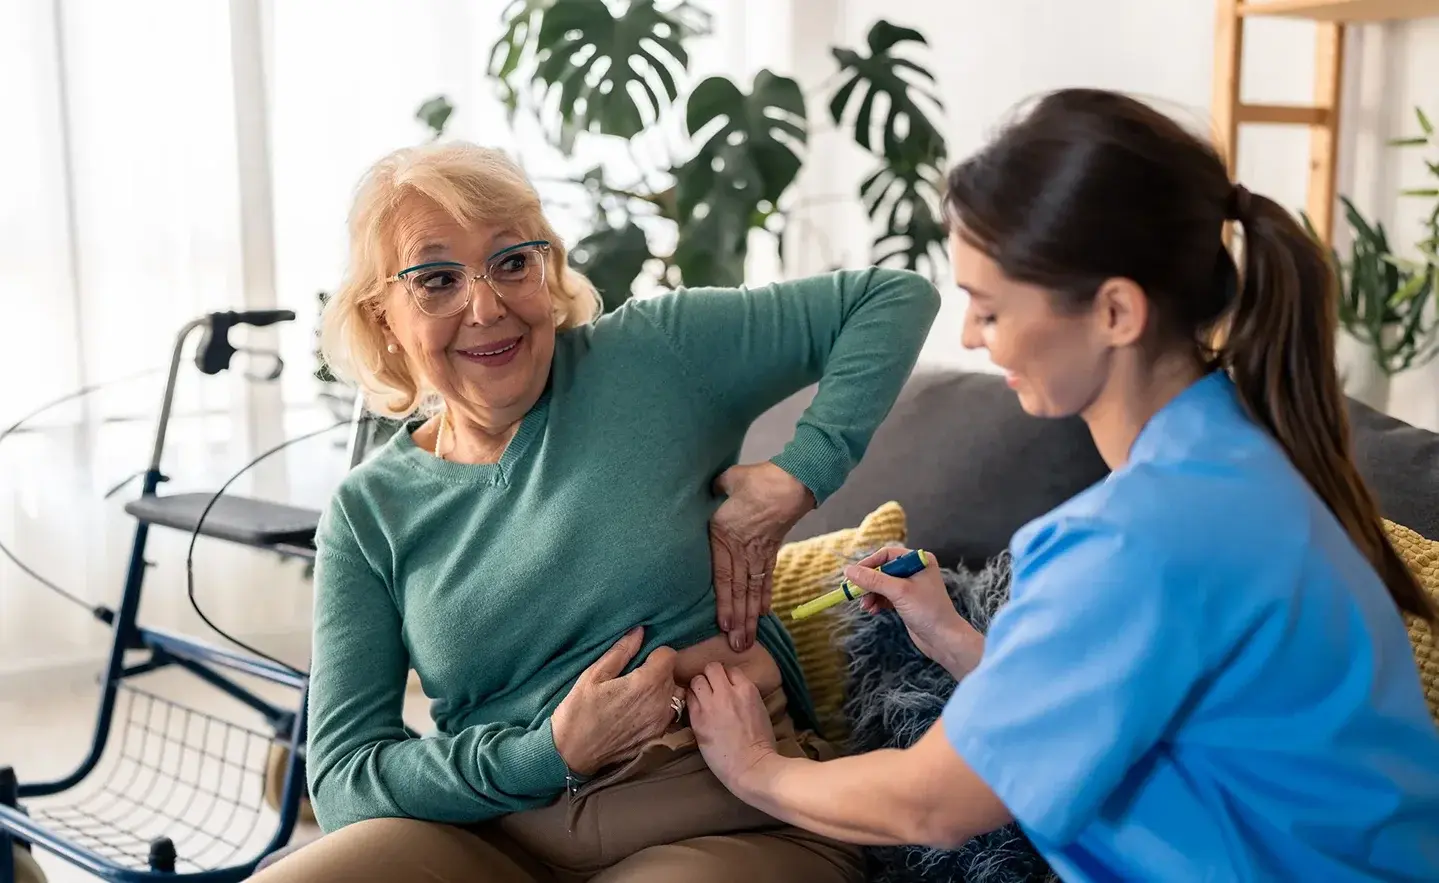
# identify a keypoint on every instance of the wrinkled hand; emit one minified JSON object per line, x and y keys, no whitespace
{"x":731,"y":725}
{"x":923,"y":603}
{"x":763,"y":503}
{"x":606,"y":717}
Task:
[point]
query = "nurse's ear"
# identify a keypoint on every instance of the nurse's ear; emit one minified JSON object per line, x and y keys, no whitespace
{"x":1121,"y":311}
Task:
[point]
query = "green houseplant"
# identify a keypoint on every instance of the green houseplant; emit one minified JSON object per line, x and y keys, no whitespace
{"x":1387,"y":301}
{"x":618,"y":70}
{"x":591,"y":69}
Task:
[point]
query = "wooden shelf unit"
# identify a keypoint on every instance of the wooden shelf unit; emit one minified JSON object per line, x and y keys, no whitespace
{"x":1342,"y":11}
{"x":1322,"y":117}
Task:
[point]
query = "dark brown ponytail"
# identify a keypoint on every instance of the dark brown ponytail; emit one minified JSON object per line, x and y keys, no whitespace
{"x":1280,"y":351}
{"x":1090,"y":185}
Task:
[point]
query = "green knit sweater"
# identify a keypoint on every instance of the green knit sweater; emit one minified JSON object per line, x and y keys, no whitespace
{"x":500,"y":583}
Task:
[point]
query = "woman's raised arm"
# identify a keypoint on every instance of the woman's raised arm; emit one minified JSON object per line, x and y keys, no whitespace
{"x":857,"y":333}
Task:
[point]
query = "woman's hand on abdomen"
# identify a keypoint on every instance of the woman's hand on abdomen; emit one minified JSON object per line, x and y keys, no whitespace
{"x":763,"y":502}
{"x":607,"y":717}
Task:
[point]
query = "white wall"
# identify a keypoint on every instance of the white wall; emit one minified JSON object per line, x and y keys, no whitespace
{"x":989,"y":56}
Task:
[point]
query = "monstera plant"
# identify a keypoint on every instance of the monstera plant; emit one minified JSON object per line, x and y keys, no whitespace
{"x":588,"y":69}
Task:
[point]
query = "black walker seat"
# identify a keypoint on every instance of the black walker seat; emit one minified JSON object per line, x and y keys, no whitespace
{"x":242,"y":520}
{"x":168,"y":792}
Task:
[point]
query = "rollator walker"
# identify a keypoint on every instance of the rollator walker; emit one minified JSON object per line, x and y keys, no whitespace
{"x":167,"y":792}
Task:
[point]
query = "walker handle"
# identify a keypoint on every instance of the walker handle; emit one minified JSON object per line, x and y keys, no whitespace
{"x":215,"y":350}
{"x":260,"y":317}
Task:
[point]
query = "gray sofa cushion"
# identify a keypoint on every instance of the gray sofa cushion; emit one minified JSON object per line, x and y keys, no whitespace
{"x":962,"y":458}
{"x":971,"y":468}
{"x":1401,"y":465}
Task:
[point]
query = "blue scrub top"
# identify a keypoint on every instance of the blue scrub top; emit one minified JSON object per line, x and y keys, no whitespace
{"x":1199,"y":677}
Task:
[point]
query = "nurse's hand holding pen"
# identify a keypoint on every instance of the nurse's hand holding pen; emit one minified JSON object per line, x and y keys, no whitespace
{"x":737,"y":740}
{"x":922,"y":602}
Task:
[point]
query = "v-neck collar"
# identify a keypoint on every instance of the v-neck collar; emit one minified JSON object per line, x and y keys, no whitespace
{"x":531,"y":426}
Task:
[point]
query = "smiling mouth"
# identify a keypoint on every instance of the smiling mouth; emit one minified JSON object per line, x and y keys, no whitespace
{"x":496,"y":349}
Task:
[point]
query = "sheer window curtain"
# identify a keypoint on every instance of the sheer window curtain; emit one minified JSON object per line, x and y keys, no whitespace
{"x":164,"y":158}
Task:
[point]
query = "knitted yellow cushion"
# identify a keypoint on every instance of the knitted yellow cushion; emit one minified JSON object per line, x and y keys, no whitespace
{"x":1422,"y":556}
{"x":807,"y":569}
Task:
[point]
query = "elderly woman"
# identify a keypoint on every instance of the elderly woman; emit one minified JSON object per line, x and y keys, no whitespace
{"x":562,"y":541}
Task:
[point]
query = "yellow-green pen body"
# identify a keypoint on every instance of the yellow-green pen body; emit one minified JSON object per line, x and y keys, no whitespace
{"x":906,"y":565}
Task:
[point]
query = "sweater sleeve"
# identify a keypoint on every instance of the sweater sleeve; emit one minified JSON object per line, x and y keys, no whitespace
{"x":361,"y":762}
{"x":858,"y":333}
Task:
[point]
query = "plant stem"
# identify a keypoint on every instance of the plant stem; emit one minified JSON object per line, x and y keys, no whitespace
{"x":824,"y":85}
{"x":816,"y":201}
{"x":627,"y":193}
{"x":643,"y":167}
{"x":826,"y":246}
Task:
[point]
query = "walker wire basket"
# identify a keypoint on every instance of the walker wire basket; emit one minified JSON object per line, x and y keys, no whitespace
{"x":177,"y":792}
{"x":168,"y":792}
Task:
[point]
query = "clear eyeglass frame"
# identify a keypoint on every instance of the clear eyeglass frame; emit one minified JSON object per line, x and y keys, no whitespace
{"x":413,"y":278}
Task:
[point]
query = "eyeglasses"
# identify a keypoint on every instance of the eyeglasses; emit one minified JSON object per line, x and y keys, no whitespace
{"x":444,"y":288}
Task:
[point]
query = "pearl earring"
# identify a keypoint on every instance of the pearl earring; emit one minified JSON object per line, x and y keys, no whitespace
{"x":392,"y":349}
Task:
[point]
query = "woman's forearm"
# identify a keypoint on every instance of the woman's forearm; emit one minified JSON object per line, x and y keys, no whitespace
{"x":881,"y":321}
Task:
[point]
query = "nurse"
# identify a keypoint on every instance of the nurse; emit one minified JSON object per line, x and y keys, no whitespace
{"x":1202,"y":673}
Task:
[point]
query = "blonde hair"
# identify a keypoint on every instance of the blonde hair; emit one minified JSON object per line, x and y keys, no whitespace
{"x":474,"y":185}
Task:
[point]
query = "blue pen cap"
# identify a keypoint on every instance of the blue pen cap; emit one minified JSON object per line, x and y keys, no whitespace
{"x":906,"y":565}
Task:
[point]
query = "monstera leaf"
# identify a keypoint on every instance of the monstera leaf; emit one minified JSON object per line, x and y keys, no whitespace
{"x":747,"y":161}
{"x":901,"y":195}
{"x":594,"y":70}
{"x":751,"y":153}
{"x":906,"y":200}
{"x":907,"y":132}
{"x":612,"y":258}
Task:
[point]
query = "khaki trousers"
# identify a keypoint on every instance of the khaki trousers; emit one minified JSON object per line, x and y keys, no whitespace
{"x":660,"y":817}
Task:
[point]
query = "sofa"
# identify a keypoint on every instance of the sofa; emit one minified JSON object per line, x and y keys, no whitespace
{"x":968,"y":467}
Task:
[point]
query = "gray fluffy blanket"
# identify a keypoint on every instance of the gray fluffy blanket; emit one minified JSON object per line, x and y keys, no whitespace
{"x":894,"y":694}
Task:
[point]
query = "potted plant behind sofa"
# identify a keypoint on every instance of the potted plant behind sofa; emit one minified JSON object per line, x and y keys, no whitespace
{"x":1388,"y":303}
{"x":729,"y":153}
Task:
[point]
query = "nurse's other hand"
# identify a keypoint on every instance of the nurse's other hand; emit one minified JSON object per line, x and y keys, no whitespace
{"x":762,"y":503}
{"x":923,"y":603}
{"x":731,"y":725}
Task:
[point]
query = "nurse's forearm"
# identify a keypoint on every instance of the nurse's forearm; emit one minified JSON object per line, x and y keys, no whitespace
{"x":960,"y":656}
{"x":923,"y":795}
{"x":852,"y":799}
